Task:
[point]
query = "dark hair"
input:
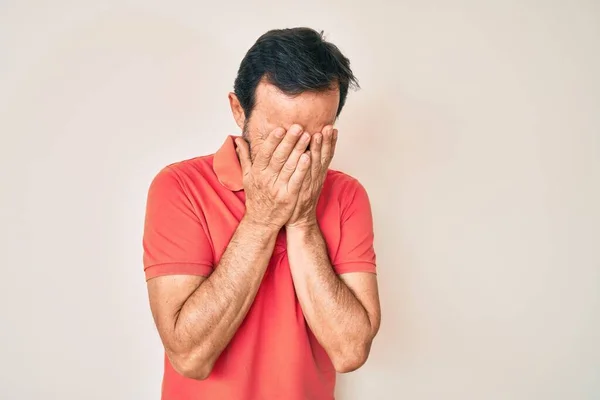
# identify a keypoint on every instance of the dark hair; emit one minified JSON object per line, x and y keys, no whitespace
{"x":294,"y":60}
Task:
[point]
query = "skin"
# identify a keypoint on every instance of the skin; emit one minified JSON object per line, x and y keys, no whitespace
{"x":342,"y":311}
{"x":197,"y":316}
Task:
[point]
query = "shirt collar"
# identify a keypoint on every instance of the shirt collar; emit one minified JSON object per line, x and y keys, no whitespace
{"x":226,"y":165}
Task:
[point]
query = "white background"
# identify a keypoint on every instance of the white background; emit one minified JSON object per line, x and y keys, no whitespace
{"x":476,"y":133}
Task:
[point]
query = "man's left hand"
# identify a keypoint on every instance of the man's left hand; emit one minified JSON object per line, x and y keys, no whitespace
{"x":322,"y":148}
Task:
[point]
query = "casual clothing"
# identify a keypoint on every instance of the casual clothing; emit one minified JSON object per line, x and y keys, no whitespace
{"x":193,"y":209}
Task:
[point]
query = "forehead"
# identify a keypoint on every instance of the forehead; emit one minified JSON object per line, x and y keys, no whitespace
{"x":312,"y":110}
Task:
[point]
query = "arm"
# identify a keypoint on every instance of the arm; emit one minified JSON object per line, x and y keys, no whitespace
{"x":196,"y":316}
{"x":342,"y":311}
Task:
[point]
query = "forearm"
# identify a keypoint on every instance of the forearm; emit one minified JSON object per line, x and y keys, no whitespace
{"x":336,"y":317}
{"x":212,"y":314}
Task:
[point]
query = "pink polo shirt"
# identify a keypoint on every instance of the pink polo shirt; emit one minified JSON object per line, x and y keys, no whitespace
{"x":193,"y":209}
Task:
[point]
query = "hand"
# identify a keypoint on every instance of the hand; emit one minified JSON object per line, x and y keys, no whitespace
{"x":272,"y":182}
{"x":322,"y":148}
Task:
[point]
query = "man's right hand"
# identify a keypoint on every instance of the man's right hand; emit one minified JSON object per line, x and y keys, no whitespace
{"x":194,"y":335}
{"x":272,"y":182}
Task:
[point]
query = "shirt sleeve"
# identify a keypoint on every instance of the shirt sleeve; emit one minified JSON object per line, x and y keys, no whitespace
{"x":175,"y":241}
{"x":355,"y":252}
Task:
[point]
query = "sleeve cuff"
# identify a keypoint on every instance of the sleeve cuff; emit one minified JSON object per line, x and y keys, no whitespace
{"x":361,"y":266}
{"x":156,"y":270}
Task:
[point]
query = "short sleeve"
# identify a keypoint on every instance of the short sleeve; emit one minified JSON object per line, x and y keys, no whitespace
{"x":175,"y":242}
{"x":355,"y":252}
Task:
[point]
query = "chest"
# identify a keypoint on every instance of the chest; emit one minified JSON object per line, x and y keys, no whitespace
{"x":223,"y":213}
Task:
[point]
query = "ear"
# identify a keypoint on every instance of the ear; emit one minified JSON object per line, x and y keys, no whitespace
{"x":236,"y":109}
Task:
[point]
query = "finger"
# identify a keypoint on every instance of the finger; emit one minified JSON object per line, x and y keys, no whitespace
{"x":243,"y":152}
{"x":284,"y":149}
{"x":268,"y":147}
{"x":327,"y":145}
{"x":297,"y":178}
{"x":333,"y":146}
{"x":307,"y":182}
{"x":315,"y":153}
{"x":292,"y":162}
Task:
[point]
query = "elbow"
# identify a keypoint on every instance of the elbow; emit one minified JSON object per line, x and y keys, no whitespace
{"x":191,"y":366}
{"x":196,"y":373}
{"x":352,"y":359}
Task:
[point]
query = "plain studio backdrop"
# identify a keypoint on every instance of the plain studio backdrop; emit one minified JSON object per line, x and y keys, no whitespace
{"x":476,"y":134}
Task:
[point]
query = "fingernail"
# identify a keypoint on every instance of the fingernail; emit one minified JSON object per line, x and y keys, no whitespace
{"x":305,"y":137}
{"x":279,"y":133}
{"x":318,"y":138}
{"x":295,"y":130}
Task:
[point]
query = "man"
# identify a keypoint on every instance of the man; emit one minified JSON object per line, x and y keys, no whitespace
{"x":259,"y":259}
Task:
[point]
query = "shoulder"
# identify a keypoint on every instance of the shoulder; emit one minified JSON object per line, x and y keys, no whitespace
{"x":183,"y":173}
{"x":342,"y":184}
{"x":346,"y":191}
{"x":191,"y":168}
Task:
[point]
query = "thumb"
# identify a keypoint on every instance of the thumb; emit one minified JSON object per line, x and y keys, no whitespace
{"x":243,"y":152}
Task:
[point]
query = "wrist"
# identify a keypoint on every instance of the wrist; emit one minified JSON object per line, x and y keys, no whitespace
{"x":260,"y":227}
{"x":303,"y":228}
